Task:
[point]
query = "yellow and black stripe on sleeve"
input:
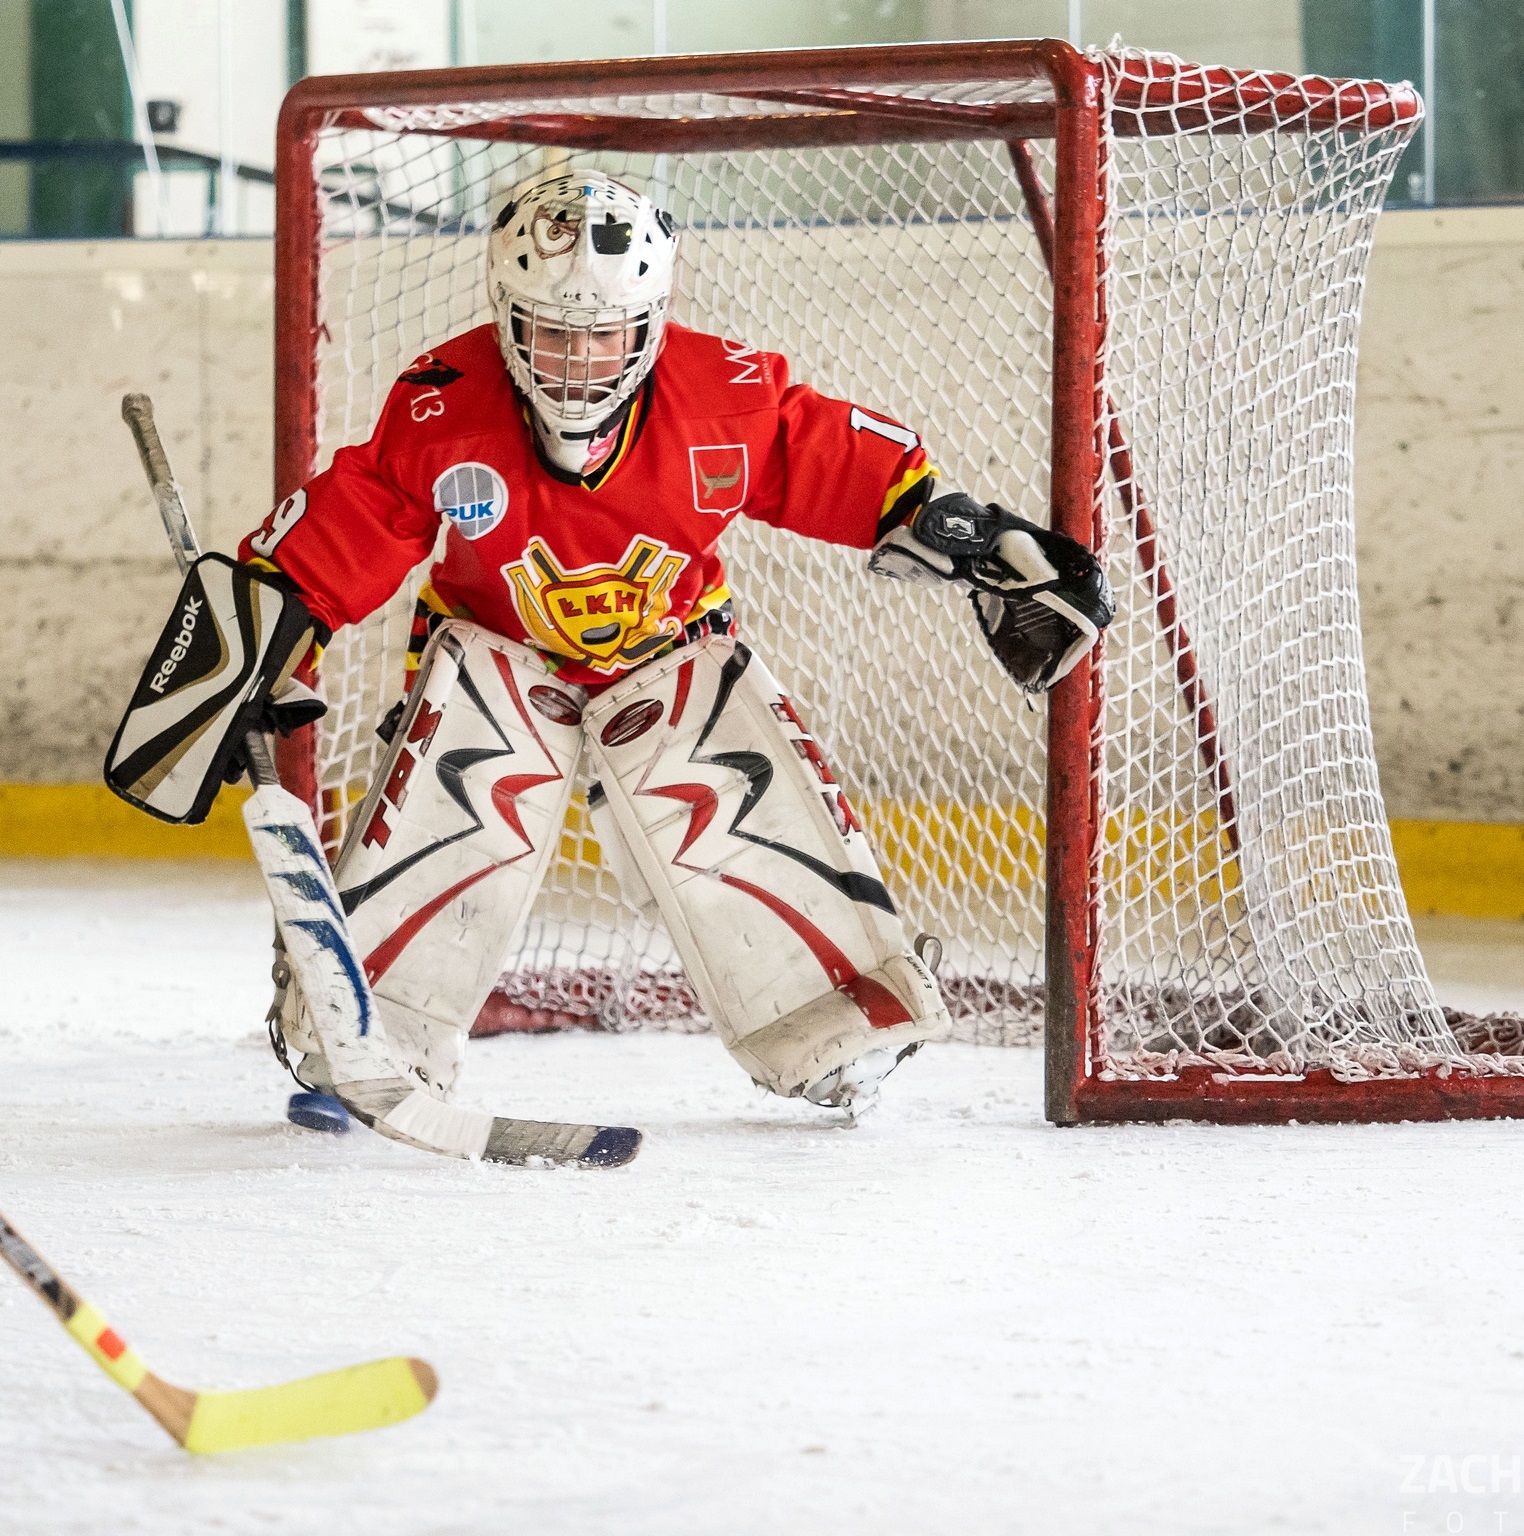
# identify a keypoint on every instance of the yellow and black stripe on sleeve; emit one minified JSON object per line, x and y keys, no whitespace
{"x":906,"y":497}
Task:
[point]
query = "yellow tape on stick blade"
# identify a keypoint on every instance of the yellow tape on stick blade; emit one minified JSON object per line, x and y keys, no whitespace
{"x":360,"y":1397}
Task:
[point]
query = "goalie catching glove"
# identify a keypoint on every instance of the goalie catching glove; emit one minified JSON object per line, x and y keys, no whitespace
{"x":221,"y":668}
{"x":1040,"y":598}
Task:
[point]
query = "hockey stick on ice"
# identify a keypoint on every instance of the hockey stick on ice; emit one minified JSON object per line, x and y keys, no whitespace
{"x":368,"y":1396}
{"x":367,"y":1079}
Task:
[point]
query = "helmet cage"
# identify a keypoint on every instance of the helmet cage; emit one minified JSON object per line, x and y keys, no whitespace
{"x":577,"y":366}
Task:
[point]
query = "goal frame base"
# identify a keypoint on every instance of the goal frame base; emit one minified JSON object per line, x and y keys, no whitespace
{"x":1318,"y":1097}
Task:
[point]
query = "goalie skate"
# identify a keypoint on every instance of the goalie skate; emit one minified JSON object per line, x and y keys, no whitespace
{"x":855,"y":1086}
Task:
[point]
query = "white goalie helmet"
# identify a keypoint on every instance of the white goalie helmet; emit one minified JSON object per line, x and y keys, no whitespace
{"x":579,"y":274}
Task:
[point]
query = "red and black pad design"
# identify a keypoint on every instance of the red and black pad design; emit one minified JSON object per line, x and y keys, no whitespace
{"x":455,"y":835}
{"x":879,"y":1005}
{"x":761,"y":872}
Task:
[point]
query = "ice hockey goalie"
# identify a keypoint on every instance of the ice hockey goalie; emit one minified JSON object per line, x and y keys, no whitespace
{"x":585,"y":455}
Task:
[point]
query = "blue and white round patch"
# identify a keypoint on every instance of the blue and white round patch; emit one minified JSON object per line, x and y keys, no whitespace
{"x":473,"y":497}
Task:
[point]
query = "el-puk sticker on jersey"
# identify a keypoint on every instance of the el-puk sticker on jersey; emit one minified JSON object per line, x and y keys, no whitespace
{"x":473,"y":497}
{"x":721,"y":477}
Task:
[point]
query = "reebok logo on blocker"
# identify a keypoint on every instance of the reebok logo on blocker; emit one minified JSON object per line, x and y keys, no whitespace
{"x":188,"y":619}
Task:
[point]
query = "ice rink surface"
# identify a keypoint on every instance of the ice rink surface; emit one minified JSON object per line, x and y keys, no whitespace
{"x":953,"y":1318}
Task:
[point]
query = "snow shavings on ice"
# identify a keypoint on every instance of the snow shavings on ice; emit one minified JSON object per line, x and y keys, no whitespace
{"x":953,"y":1318}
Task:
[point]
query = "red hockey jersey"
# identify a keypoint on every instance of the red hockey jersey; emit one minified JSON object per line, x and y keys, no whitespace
{"x":599,"y":573}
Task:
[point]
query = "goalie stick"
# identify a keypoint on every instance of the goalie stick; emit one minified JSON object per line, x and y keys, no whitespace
{"x":367,"y":1080}
{"x":368,"y":1396}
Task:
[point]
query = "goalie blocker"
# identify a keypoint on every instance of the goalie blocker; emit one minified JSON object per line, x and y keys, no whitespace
{"x":235,"y":637}
{"x":1040,"y":599}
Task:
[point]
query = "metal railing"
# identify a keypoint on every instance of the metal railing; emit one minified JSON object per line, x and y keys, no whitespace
{"x":82,"y":188}
{"x":93,"y":198}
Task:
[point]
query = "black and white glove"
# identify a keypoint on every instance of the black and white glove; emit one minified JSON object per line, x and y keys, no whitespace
{"x":1041,"y":599}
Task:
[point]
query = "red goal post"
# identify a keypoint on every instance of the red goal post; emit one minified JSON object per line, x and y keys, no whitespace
{"x":1183,"y":937}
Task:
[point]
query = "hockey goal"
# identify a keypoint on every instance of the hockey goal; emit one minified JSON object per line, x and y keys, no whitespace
{"x":1110,"y":288}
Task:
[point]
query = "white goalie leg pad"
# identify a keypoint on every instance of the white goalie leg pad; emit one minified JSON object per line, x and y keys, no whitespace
{"x":764,"y":878}
{"x":616,"y":857}
{"x":444,"y":860}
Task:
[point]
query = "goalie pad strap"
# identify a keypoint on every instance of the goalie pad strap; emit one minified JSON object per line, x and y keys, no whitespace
{"x":235,"y":636}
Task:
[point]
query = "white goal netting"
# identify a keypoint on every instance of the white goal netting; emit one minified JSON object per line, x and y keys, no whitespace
{"x":1246,"y":909}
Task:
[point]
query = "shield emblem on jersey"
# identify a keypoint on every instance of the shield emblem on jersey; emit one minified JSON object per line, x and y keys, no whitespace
{"x":594,"y":616}
{"x":604,"y":616}
{"x":721,"y":477}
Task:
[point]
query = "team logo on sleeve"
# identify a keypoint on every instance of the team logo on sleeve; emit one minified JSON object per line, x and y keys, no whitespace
{"x":473,"y":497}
{"x":427,"y":372}
{"x":608,"y":617}
{"x":721,"y":477}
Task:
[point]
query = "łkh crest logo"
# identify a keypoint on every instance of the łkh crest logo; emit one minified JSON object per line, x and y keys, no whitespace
{"x":606,"y":616}
{"x":721,"y":477}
